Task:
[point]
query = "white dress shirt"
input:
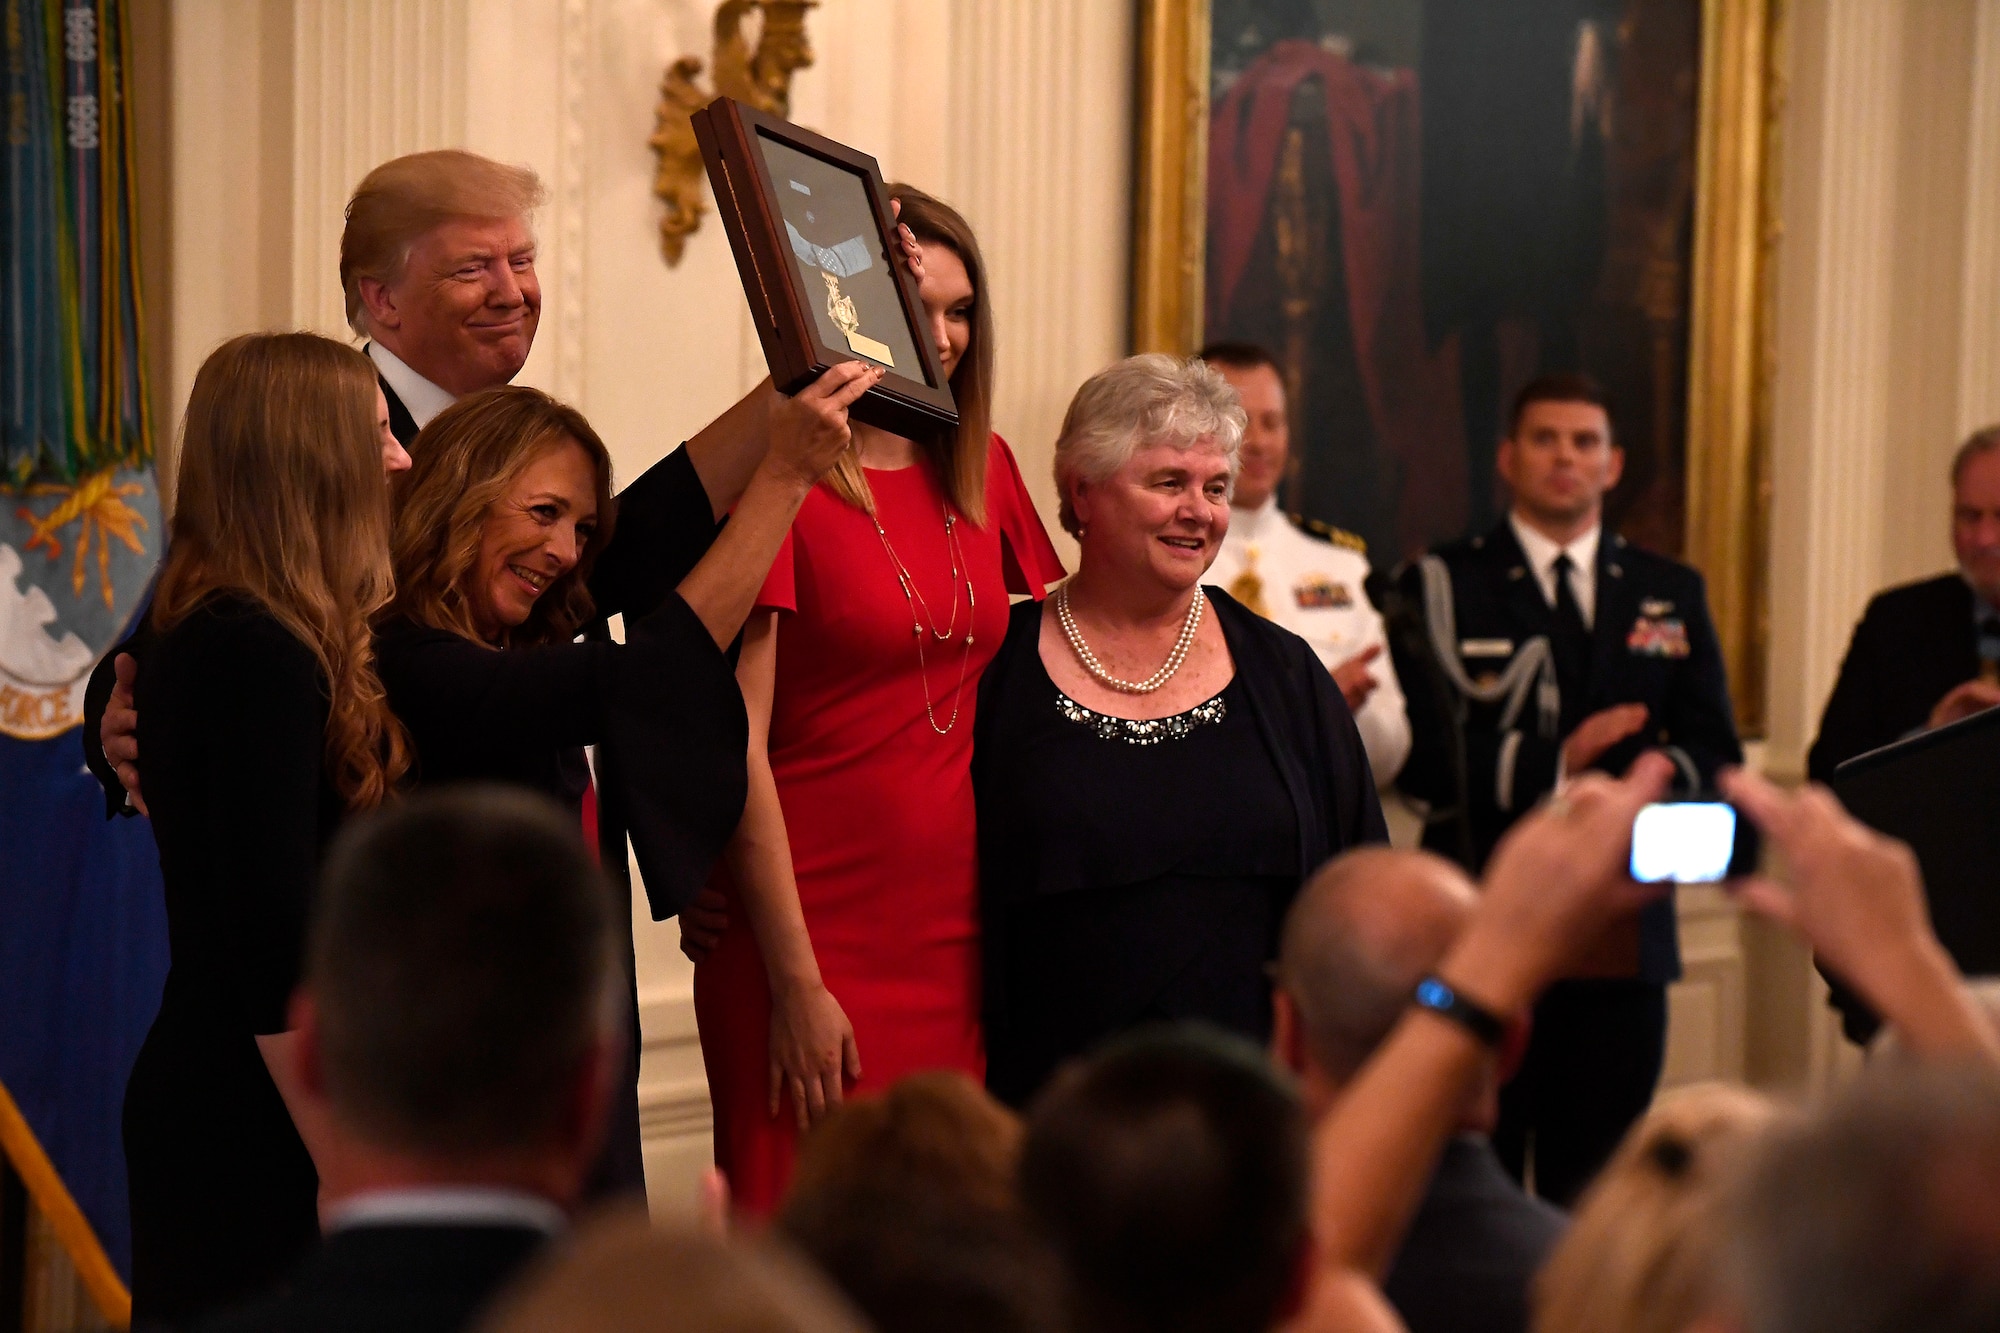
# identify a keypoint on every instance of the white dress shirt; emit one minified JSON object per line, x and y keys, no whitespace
{"x":447,"y":1206}
{"x":1314,"y":589}
{"x":1582,"y":552}
{"x":423,"y":399}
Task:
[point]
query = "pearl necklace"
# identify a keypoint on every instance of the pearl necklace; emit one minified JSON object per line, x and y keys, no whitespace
{"x":913,"y":597}
{"x":1096,"y":669}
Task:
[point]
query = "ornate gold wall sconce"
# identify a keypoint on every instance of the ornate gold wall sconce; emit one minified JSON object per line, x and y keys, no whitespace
{"x":759,"y":74}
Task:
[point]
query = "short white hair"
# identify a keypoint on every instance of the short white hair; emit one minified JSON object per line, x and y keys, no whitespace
{"x":1143,"y":400}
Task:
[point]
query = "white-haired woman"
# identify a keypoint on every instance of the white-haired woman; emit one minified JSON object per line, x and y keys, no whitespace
{"x":1157,"y":767}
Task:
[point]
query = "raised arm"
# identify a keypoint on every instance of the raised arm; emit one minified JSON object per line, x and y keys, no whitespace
{"x":808,"y":433}
{"x":727,"y":451}
{"x":1555,"y":881}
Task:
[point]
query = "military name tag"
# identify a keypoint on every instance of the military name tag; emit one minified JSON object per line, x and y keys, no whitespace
{"x":1317,"y":592}
{"x":1657,"y":636}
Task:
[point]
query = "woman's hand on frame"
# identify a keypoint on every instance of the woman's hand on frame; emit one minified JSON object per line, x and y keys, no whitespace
{"x":809,"y":430}
{"x":913,"y":253}
{"x":813,"y":1054}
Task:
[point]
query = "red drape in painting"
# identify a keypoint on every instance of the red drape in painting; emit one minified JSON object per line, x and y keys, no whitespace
{"x":1372,"y":122}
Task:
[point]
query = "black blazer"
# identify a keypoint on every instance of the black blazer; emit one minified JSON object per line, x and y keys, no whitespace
{"x":104,"y":676}
{"x":1300,"y":715}
{"x":393,"y":1279}
{"x":232,"y":716}
{"x":1304,"y":722}
{"x":1652,"y":643}
{"x":1472,"y":1252}
{"x":1913,"y":645}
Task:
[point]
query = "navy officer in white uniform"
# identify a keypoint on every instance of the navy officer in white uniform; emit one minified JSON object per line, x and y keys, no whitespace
{"x":1304,"y":575}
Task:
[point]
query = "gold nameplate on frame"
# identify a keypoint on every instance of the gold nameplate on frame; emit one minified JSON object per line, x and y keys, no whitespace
{"x":840,"y":309}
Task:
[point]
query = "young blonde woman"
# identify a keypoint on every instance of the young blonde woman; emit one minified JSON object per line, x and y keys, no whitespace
{"x":264,"y":725}
{"x":852,"y":883}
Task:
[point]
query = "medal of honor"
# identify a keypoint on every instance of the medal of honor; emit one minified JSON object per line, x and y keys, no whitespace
{"x":834,"y":263}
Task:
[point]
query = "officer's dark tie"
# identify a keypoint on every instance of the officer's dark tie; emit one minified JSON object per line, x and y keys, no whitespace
{"x":1570,"y":642}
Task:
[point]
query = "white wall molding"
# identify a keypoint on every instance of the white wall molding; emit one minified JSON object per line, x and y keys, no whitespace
{"x":675,"y":1117}
{"x":1706,"y":1029}
{"x":1832,"y":412}
{"x":1039,"y":128}
{"x":569,"y":200}
{"x":371,"y":80}
{"x":1979,"y":333}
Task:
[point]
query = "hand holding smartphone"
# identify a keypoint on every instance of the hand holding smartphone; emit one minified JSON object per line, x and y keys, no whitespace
{"x":1700,"y":841}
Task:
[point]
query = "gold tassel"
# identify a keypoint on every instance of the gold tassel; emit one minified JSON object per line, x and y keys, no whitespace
{"x":1248,"y":588}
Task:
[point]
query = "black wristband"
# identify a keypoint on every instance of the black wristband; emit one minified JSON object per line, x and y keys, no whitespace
{"x":1434,"y":994}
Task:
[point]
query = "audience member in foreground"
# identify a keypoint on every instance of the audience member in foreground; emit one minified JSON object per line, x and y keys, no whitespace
{"x":1367,"y":928}
{"x":1880,"y":1215}
{"x":1853,"y":895}
{"x":1169,"y":1172}
{"x":1642,"y":1256}
{"x":937,"y":1130}
{"x":908,"y":1202}
{"x":624,"y":1276}
{"x":452,"y":1156}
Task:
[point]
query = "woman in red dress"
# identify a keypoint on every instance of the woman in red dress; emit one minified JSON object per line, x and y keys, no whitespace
{"x":855,"y":869}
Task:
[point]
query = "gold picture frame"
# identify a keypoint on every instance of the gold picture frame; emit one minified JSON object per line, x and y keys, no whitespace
{"x":1728,"y":475}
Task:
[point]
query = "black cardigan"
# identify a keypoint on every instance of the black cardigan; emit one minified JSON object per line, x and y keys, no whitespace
{"x":1300,"y":713}
{"x":664,"y":709}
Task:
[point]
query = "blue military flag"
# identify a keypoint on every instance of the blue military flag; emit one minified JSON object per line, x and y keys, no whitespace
{"x":83,"y":948}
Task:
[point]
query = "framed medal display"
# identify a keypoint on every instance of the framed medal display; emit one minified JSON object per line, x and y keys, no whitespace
{"x":809,"y":222}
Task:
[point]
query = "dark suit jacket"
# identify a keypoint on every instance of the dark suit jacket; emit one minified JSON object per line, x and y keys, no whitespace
{"x":1914,"y":643}
{"x":1678,"y":676}
{"x":1473,"y":1249}
{"x":394,"y":1279}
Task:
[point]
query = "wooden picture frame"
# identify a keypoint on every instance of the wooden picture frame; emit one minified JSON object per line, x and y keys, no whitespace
{"x":1729,"y":319}
{"x":797,"y":205}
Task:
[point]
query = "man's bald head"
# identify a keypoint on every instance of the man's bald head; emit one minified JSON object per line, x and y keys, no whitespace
{"x":1361,"y":934}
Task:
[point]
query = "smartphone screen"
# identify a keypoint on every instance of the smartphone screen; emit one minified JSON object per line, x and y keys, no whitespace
{"x":1688,"y":842}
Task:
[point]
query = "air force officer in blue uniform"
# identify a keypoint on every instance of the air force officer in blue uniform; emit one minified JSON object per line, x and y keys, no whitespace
{"x":1563,"y":648}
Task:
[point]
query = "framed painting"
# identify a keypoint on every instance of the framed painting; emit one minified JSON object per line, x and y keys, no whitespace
{"x":809,"y":222}
{"x":1419,"y":205}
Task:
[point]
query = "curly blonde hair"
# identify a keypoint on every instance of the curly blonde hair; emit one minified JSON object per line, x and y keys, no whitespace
{"x":462,"y":465}
{"x":280,"y":499}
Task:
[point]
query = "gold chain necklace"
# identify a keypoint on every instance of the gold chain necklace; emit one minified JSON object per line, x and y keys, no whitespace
{"x":914,"y":598}
{"x":1175,"y":656}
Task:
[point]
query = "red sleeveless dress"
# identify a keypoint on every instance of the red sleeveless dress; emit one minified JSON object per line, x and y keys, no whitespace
{"x":878,"y":806}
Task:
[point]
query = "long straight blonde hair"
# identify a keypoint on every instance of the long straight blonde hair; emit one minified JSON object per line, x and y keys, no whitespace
{"x":280,"y":499}
{"x":959,"y":456}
